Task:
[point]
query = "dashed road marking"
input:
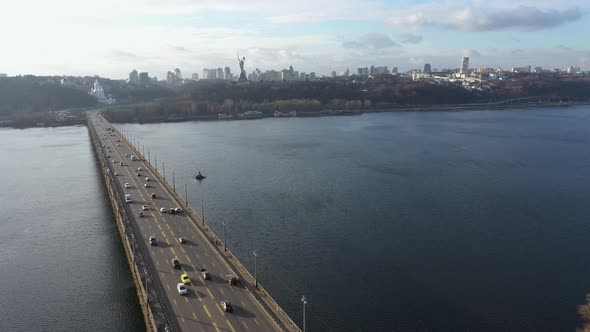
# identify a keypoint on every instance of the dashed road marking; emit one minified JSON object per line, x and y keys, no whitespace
{"x":211,"y":294}
{"x":230,"y":326}
{"x":207,"y":311}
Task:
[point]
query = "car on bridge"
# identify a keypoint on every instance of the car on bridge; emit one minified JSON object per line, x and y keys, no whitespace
{"x":147,"y":178}
{"x":175,"y":263}
{"x":231,"y":279}
{"x":139,"y":169}
{"x":127,"y":198}
{"x":163,"y":210}
{"x":153,"y":195}
{"x":146,"y":185}
{"x":226,"y":306}
{"x":140,"y":214}
{"x":144,"y":207}
{"x":205,"y":275}
{"x":185,"y":279}
{"x":153,"y":241}
{"x":176,"y":209}
{"x":127,"y":186}
{"x":181,"y":288}
{"x":181,"y":240}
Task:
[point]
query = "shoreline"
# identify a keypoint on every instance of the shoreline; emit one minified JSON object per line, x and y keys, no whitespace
{"x":420,"y":108}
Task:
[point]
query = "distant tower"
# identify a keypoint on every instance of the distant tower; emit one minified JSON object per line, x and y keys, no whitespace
{"x":464,"y":65}
{"x":178,"y":74}
{"x":133,"y":77}
{"x":220,"y":73}
{"x":427,"y":69}
{"x":227,"y":74}
{"x":171,"y":77}
{"x":144,"y":78}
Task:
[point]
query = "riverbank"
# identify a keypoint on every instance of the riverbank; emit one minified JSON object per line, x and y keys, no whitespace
{"x":419,"y":108}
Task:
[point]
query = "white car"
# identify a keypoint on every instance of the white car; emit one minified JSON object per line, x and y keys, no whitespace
{"x":147,"y":178}
{"x":127,"y":186}
{"x":146,"y":185}
{"x":181,"y":289}
{"x":144,"y":207}
{"x":126,"y":155}
{"x":163,"y":210}
{"x":116,"y":174}
{"x":139,"y":169}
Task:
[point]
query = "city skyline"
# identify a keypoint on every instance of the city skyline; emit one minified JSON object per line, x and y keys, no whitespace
{"x":315,"y":36}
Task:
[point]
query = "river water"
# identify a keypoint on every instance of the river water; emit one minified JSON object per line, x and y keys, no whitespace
{"x":434,"y":221}
{"x":62,"y":264}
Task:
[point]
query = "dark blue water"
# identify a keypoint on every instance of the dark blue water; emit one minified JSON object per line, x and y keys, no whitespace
{"x":62,"y":265}
{"x":438,"y":221}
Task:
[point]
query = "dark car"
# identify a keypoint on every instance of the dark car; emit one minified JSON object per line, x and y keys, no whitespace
{"x":226,"y":306}
{"x":175,"y":263}
{"x":205,"y":275}
{"x":231,"y":279}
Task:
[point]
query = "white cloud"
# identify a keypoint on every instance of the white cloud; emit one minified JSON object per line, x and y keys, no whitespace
{"x":483,"y":18}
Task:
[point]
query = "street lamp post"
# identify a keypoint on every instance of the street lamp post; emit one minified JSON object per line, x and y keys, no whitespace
{"x":202,"y":211}
{"x":164,"y":170}
{"x":185,"y":195}
{"x":255,"y":275}
{"x":173,"y":182}
{"x":149,"y":157}
{"x":156,"y":162}
{"x":304,"y":300}
{"x":224,"y":238}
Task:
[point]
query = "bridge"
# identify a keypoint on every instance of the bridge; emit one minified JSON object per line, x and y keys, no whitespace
{"x":155,"y":277}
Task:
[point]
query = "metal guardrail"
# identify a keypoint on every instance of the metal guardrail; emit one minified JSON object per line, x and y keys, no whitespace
{"x":265,"y":300}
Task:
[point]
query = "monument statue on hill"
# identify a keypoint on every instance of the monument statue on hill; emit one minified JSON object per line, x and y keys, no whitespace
{"x":242,"y":77}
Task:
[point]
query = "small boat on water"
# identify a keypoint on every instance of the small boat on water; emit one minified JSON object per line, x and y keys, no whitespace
{"x":200,"y":176}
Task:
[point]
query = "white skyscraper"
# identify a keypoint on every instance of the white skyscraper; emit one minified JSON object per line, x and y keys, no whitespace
{"x":464,"y":65}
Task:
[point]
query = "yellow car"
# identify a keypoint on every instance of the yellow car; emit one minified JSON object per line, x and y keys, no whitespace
{"x":185,"y":279}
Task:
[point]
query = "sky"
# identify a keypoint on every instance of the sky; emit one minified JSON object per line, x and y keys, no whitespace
{"x":110,"y":38}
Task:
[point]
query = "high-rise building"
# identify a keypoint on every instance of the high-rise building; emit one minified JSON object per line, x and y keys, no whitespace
{"x":464,"y":65}
{"x":195,"y":77}
{"x":220,"y":73}
{"x":427,"y":69}
{"x":205,"y":73}
{"x":170,"y":77}
{"x":363,"y":71}
{"x":346,"y":72}
{"x":333,"y":74}
{"x":227,"y":74}
{"x":394,"y":71}
{"x":144,"y":78}
{"x":3,"y":75}
{"x":178,"y":74}
{"x":312,"y":75}
{"x":133,"y":77}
